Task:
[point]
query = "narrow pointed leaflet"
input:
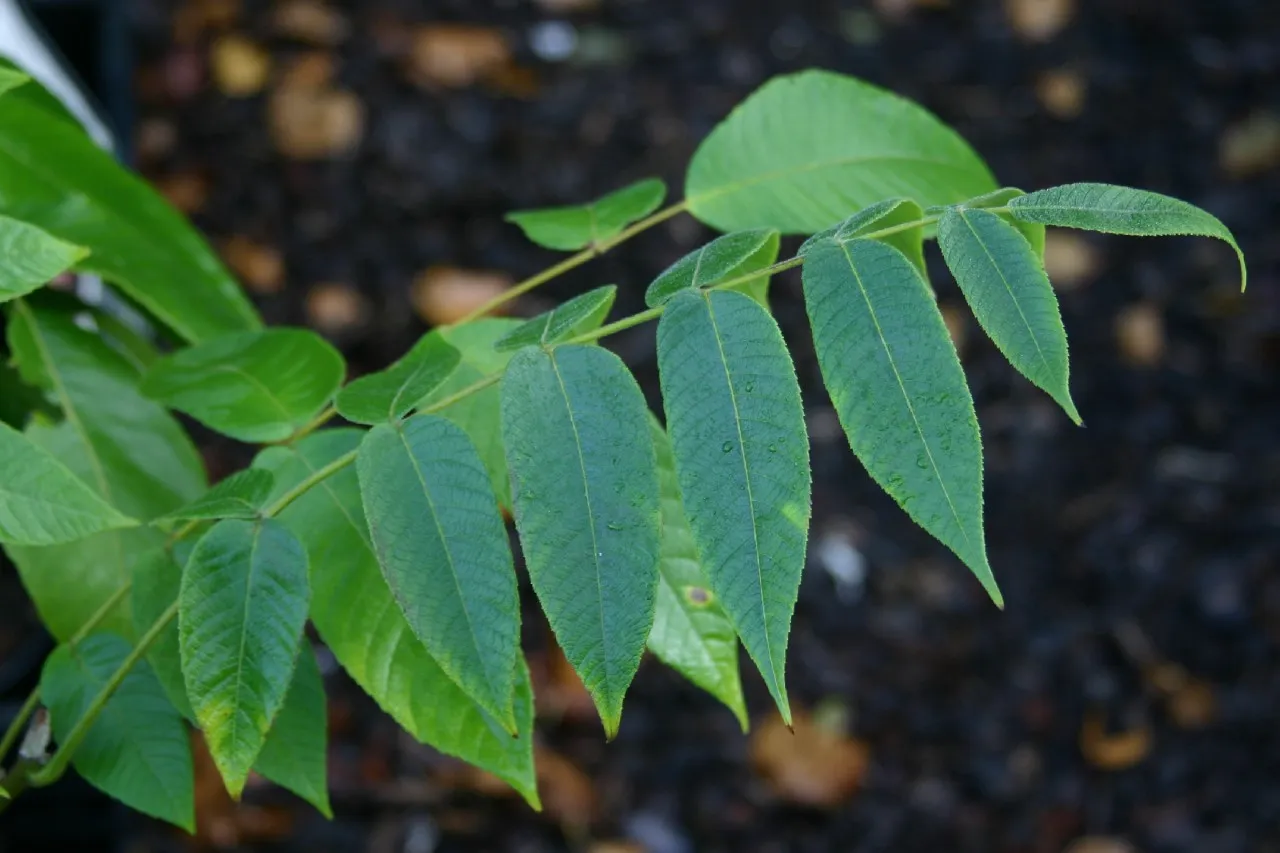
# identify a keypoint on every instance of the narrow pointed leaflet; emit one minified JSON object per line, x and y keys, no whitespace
{"x":1123,"y":210}
{"x":443,"y":549}
{"x":742,"y":457}
{"x":585,"y":486}
{"x":358,"y":619}
{"x":897,"y":386}
{"x":690,"y":631}
{"x":137,"y":750}
{"x":583,"y":313}
{"x":578,"y":226}
{"x":719,"y":260}
{"x":1006,"y":286}
{"x":42,"y":502}
{"x":387,"y":395}
{"x":242,"y":608}
{"x":294,"y":754}
{"x":242,"y":495}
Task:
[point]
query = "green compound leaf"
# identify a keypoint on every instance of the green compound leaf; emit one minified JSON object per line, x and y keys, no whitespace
{"x":124,"y":446}
{"x":1005,"y":284}
{"x":443,"y":549}
{"x":477,"y":413}
{"x":242,"y":495}
{"x":257,"y":387}
{"x":359,"y":620}
{"x":1122,"y":210}
{"x":388,"y":395}
{"x":720,"y":260}
{"x":742,"y":456}
{"x":53,"y":176}
{"x":242,"y":608}
{"x":578,"y":226}
{"x":898,"y":388}
{"x":690,"y":632}
{"x":756,"y":287}
{"x":581,"y":314}
{"x":137,"y":750}
{"x":294,"y":754}
{"x":807,"y":148}
{"x":585,"y":485}
{"x":44,"y":503}
{"x":157,"y":579}
{"x":31,"y":257}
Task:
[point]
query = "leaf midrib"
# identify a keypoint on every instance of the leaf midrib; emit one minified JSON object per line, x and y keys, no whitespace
{"x":915,"y":420}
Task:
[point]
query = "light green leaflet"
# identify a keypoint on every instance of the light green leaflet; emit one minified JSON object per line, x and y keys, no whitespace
{"x":719,"y":260}
{"x":30,"y":257}
{"x":257,"y":387}
{"x":477,"y":413}
{"x":443,"y":549}
{"x":387,"y":395}
{"x":581,"y":314}
{"x":53,"y":176}
{"x":42,"y":502}
{"x":585,"y":487}
{"x":242,"y":495}
{"x":126,"y":447}
{"x":898,"y":388}
{"x":137,"y":751}
{"x":1122,"y":210}
{"x":807,"y":148}
{"x":690,"y":632}
{"x":1005,"y":284}
{"x":581,"y":225}
{"x":242,"y":608}
{"x":293,"y":754}
{"x":359,"y":621}
{"x":11,"y":78}
{"x":742,"y":456}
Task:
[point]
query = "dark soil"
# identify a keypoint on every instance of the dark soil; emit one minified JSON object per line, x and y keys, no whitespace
{"x":1160,"y":519}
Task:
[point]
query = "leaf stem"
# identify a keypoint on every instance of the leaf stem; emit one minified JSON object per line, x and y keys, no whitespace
{"x":574,"y":261}
{"x":301,"y":488}
{"x":57,"y":765}
{"x":12,"y":733}
{"x":318,"y":421}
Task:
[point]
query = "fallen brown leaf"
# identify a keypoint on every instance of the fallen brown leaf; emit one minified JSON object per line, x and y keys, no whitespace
{"x":1039,"y":20}
{"x":187,"y":191}
{"x":336,"y":309}
{"x":1251,"y":147}
{"x":311,"y":21}
{"x":1070,"y":259}
{"x":1140,"y":334}
{"x":567,"y":793}
{"x":1108,"y":751}
{"x":260,"y":267}
{"x":240,"y":67}
{"x":456,"y":55}
{"x":1062,"y":93}
{"x":310,"y":123}
{"x":443,"y":295}
{"x":818,"y":765}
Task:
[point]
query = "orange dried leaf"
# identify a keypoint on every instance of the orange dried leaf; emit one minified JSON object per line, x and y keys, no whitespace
{"x":816,"y":766}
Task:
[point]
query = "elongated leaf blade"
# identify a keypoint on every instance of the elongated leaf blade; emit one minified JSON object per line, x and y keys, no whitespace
{"x":53,"y":176}
{"x":585,"y":488}
{"x":257,"y":387}
{"x":1006,"y":285}
{"x":806,"y":149}
{"x":359,"y":620}
{"x":157,"y":579}
{"x":690,"y":631}
{"x":124,"y":446}
{"x":477,"y":413}
{"x":1123,"y":210}
{"x":582,"y":313}
{"x":443,"y":550}
{"x":294,"y":754}
{"x":388,"y":395}
{"x":716,"y":261}
{"x":242,"y":608}
{"x":242,"y":495}
{"x":578,"y":226}
{"x":137,"y":750}
{"x":42,"y":502}
{"x":742,"y":456}
{"x":898,"y":388}
{"x":31,"y":257}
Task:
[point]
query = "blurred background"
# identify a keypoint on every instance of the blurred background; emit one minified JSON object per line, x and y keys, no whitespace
{"x":352,"y":162}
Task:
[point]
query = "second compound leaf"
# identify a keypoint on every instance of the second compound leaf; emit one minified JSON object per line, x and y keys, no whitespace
{"x":386,"y":395}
